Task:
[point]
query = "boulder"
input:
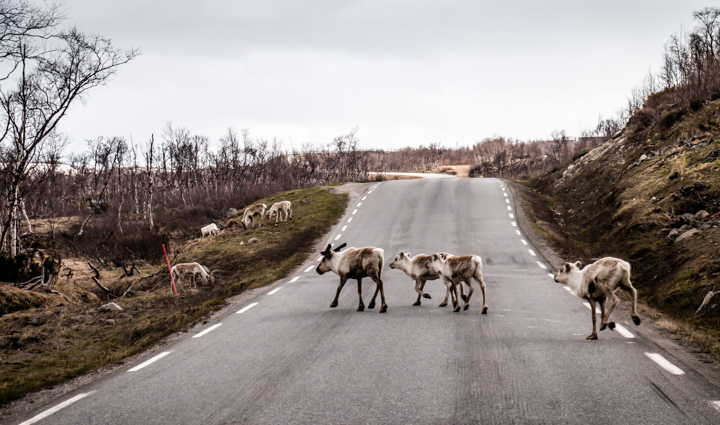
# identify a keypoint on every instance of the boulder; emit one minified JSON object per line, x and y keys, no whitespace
{"x":110,"y":307}
{"x":686,"y":235}
{"x":252,"y":240}
{"x":701,"y":215}
{"x":231,"y":212}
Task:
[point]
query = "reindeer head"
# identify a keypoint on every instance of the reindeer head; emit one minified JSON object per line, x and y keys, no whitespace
{"x":325,"y":263}
{"x":399,"y":259}
{"x":435,"y":262}
{"x":564,"y":274}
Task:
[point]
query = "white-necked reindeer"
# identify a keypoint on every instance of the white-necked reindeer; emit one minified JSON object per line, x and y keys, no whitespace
{"x":183,"y":270}
{"x":284,"y":207}
{"x":459,"y":269}
{"x":415,"y":269}
{"x":250,"y":213}
{"x":210,"y":230}
{"x":355,"y":263}
{"x":598,"y":282}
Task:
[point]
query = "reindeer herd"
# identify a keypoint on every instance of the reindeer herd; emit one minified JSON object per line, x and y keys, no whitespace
{"x":595,"y":283}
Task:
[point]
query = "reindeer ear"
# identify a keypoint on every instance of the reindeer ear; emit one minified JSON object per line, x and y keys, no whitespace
{"x":407,"y":254}
{"x":578,"y":265}
{"x":566,"y":267}
{"x":343,"y":245}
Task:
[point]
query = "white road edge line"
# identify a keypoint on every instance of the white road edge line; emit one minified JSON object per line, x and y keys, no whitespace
{"x":56,"y":408}
{"x":715,"y":405}
{"x":275,"y":290}
{"x":624,"y":332}
{"x":293,"y":280}
{"x":244,"y":309}
{"x":210,"y":329}
{"x":149,"y":362}
{"x":311,"y":267}
{"x":663,"y":363}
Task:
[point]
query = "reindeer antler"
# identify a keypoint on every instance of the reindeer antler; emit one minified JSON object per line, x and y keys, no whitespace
{"x":327,"y":250}
{"x":343,"y":245}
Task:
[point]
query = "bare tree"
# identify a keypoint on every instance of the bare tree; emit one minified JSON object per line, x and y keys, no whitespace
{"x":49,"y":70}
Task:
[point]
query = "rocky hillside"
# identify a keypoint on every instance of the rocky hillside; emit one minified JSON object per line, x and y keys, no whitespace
{"x":651,"y":195}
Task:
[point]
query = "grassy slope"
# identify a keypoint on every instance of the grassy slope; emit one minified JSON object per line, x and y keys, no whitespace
{"x":43,"y":346}
{"x":610,"y":202}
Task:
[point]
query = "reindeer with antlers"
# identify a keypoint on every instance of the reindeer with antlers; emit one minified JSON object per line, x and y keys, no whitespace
{"x":355,"y":263}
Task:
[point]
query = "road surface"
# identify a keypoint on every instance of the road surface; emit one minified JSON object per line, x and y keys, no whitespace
{"x":287,"y":358}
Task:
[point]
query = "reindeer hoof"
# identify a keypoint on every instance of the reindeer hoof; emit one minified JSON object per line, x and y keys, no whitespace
{"x":361,"y":308}
{"x":611,"y":325}
{"x":592,"y":336}
{"x":383,"y":309}
{"x":427,"y":296}
{"x":464,"y":297}
{"x":484,"y":311}
{"x":416,"y":303}
{"x":602,"y":327}
{"x":443,"y":305}
{"x":466,"y":306}
{"x":636,"y":320}
{"x":333,"y":305}
{"x":371,"y":306}
{"x":457,"y":309}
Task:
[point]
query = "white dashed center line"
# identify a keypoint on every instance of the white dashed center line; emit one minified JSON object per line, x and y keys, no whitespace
{"x":624,"y":332}
{"x":56,"y":408}
{"x":319,"y":258}
{"x":523,"y":242}
{"x":507,"y":201}
{"x":244,"y":309}
{"x":295,"y":279}
{"x":513,"y":224}
{"x":364,"y":198}
{"x":518,"y":232}
{"x":349,"y":219}
{"x":511,"y":215}
{"x":504,"y":194}
{"x":597,"y":309}
{"x":369,"y":192}
{"x":210,"y":329}
{"x":310,"y":268}
{"x":359,"y":203}
{"x":354,"y":211}
{"x":532,"y":252}
{"x":149,"y":362}
{"x":343,"y":229}
{"x":542,"y":266}
{"x":509,"y":208}
{"x":567,"y":288}
{"x":275,"y":290}
{"x":338,"y":236}
{"x":715,"y":405}
{"x":663,"y":363}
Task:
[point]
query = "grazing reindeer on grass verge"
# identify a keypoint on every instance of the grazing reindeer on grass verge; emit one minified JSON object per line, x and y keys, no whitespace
{"x":456,"y":270}
{"x":355,"y":263}
{"x":598,"y":282}
{"x":278,"y":208}
{"x":251,"y":212}
{"x":182,"y":270}
{"x":415,"y":269}
{"x":210,"y":230}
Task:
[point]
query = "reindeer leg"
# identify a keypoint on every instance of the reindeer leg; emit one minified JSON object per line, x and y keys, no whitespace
{"x":611,"y":302}
{"x":469,"y":294}
{"x":447,"y":293}
{"x":481,"y":281}
{"x":455,"y":297}
{"x":340,"y":286}
{"x":593,"y":335}
{"x":361,"y":305}
{"x":422,"y":289}
{"x":627,"y":285}
{"x":379,"y":282}
{"x":418,"y":289}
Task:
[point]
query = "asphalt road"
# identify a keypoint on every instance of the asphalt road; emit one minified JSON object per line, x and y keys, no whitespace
{"x":287,"y":358}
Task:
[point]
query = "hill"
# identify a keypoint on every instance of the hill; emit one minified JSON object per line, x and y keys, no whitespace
{"x":651,"y":195}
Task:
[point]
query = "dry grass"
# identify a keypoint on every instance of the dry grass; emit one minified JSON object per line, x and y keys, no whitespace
{"x":50,"y":341}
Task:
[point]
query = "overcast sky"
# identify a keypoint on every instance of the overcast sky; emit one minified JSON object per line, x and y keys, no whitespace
{"x":404,"y":72}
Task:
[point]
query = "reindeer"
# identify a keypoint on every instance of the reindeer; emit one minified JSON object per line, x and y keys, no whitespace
{"x":598,"y":282}
{"x":210,"y":230}
{"x":251,"y":212}
{"x":182,"y":270}
{"x":456,"y":270}
{"x":415,"y":269}
{"x":355,"y":263}
{"x":278,"y":208}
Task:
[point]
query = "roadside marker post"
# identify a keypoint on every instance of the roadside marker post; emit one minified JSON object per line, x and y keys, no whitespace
{"x":172,"y":279}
